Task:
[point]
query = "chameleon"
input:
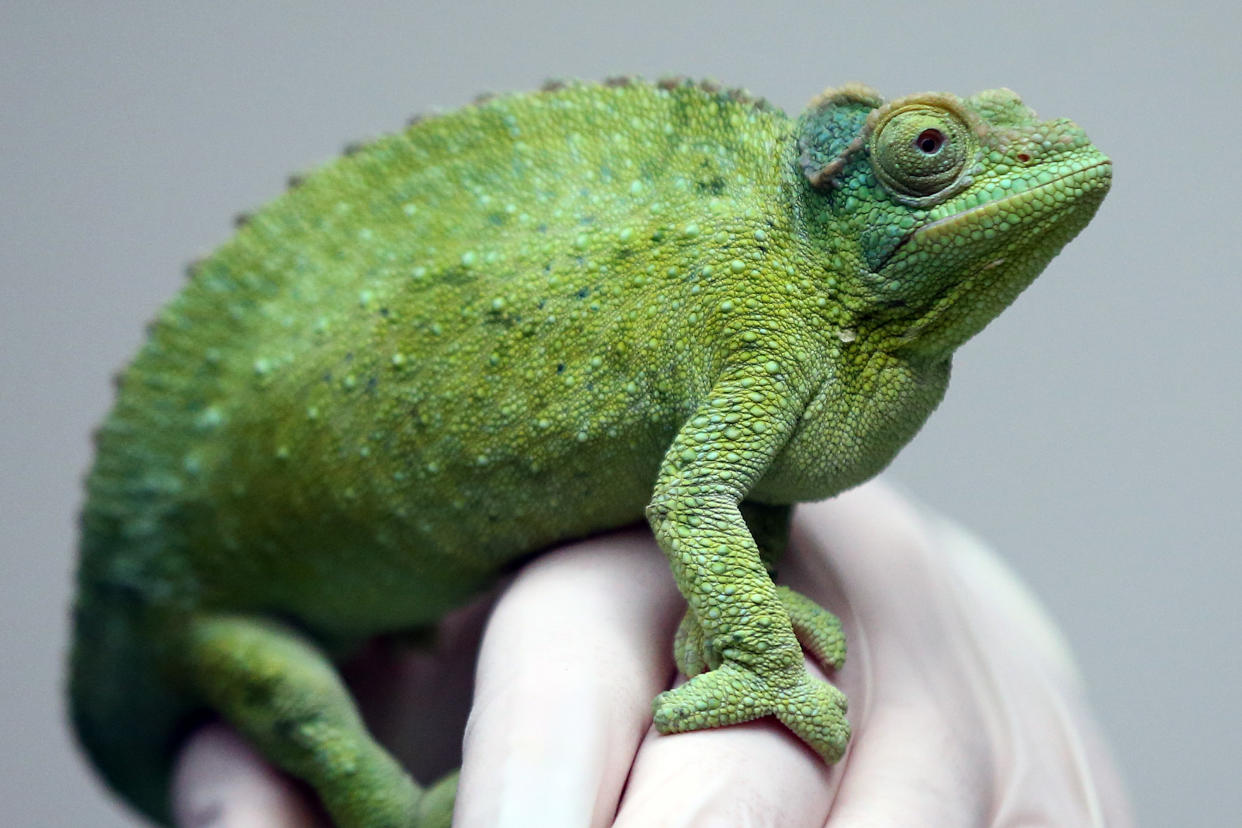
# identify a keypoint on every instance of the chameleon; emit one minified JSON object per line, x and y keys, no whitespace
{"x":528,"y":320}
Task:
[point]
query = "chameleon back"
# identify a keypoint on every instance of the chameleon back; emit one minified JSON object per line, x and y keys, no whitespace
{"x":478,"y":305}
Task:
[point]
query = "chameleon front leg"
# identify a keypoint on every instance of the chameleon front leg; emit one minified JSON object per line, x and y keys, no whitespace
{"x":285,"y":696}
{"x":745,"y":634}
{"x":818,"y":630}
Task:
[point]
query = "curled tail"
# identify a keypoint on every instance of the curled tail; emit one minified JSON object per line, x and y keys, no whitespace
{"x":127,"y":718}
{"x":130,"y":720}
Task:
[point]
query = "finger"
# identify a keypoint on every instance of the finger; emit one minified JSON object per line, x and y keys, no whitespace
{"x":572,"y":656}
{"x":415,"y":695}
{"x":920,"y":753}
{"x":1056,"y":765}
{"x":220,"y":782}
{"x":970,"y":713}
{"x":754,"y":774}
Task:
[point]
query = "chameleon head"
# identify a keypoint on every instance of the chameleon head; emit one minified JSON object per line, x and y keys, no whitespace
{"x":953,"y":205}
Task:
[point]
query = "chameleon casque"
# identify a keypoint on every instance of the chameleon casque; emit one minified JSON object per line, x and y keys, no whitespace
{"x":529,"y":320}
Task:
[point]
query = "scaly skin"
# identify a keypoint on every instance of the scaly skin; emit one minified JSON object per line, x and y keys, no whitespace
{"x":524,"y":322}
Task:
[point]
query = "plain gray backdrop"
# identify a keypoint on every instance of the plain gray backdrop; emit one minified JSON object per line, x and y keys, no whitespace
{"x":1090,"y":434}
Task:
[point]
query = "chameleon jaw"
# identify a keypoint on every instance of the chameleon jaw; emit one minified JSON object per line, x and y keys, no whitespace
{"x":1090,"y":178}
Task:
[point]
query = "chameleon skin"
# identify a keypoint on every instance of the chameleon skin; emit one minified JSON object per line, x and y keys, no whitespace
{"x":522,"y":322}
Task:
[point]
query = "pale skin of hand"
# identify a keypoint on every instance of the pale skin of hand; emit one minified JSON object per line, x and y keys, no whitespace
{"x":965,"y":707}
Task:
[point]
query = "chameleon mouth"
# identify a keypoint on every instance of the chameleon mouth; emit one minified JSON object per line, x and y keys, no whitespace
{"x":1085,"y":180}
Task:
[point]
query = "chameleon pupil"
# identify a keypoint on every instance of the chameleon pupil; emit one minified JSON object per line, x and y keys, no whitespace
{"x":930,"y":141}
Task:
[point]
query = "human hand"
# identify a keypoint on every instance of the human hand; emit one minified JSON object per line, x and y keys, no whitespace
{"x":965,"y":707}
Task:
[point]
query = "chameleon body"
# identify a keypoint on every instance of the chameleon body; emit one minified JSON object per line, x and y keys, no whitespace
{"x":532,"y":319}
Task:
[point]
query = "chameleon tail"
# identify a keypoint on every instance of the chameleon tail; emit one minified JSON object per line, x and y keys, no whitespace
{"x":276,"y":686}
{"x":130,"y":721}
{"x":127,"y":718}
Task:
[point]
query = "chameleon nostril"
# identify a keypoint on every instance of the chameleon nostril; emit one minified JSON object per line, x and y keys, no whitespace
{"x":1023,"y":157}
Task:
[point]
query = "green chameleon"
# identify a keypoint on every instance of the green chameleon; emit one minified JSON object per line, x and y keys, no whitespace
{"x":529,"y":320}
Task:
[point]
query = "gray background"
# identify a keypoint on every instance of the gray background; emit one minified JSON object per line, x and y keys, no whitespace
{"x":1091,"y":434}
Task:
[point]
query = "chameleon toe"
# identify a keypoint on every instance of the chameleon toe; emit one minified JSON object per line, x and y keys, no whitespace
{"x":724,"y":696}
{"x":814,"y":710}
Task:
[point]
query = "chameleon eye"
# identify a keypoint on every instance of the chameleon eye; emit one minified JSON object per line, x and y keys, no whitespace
{"x":920,"y":151}
{"x":929,"y":141}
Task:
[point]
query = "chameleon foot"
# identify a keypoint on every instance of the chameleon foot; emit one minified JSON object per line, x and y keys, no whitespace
{"x":814,"y":710}
{"x":818,"y":631}
{"x":690,"y":650}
